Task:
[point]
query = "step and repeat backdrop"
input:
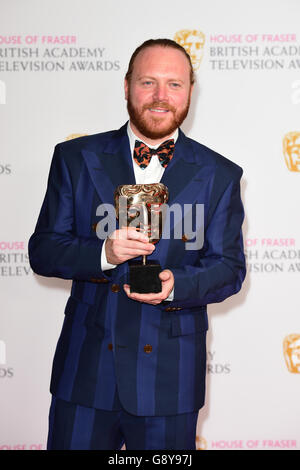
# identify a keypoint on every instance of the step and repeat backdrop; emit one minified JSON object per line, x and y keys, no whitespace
{"x":62,"y":66}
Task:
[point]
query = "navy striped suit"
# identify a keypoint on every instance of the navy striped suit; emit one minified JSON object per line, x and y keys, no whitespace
{"x":113,"y":350}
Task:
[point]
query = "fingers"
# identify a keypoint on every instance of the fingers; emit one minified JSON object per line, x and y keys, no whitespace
{"x":167,"y":279}
{"x":129,"y":233}
{"x":132,"y":246}
{"x":152,"y":298}
{"x":125,"y":244}
{"x":165,"y":275}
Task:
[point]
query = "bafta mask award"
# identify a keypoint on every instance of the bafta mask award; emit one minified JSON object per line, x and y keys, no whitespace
{"x":141,"y":206}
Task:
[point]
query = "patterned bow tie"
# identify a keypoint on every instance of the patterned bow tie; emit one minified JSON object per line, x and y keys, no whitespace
{"x":142,"y":153}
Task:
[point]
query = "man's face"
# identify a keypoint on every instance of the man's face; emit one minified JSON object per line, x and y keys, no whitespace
{"x":158,"y":93}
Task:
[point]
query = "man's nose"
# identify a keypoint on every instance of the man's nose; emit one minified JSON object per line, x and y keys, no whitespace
{"x":160,"y":93}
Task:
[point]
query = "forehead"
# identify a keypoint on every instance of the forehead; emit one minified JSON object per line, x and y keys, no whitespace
{"x":161,"y":60}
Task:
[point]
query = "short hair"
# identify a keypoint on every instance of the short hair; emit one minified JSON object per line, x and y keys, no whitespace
{"x":161,"y":43}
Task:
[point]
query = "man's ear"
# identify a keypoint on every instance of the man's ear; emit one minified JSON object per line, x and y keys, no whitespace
{"x":126,"y":86}
{"x":191,"y":90}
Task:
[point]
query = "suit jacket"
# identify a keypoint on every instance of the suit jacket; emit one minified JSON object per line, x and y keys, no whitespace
{"x":112,"y":349}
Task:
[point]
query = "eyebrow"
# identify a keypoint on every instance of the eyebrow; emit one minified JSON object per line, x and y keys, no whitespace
{"x":143,"y":77}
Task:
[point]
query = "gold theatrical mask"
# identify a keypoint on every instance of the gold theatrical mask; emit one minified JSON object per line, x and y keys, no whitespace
{"x":140,"y":206}
{"x":291,"y":150}
{"x":193,"y":41}
{"x":75,"y":136}
{"x":291,"y":350}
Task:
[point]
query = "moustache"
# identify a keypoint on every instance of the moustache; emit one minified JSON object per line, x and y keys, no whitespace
{"x":161,"y":105}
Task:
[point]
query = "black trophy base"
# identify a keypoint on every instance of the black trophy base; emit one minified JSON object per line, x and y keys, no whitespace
{"x":143,"y":278}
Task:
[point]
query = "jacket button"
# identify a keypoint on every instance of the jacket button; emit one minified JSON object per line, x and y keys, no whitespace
{"x":184,"y":238}
{"x":110,"y":347}
{"x":115,"y":288}
{"x":148,"y":348}
{"x":172,"y":309}
{"x":101,"y":280}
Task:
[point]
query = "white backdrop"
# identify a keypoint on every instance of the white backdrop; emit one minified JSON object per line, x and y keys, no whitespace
{"x":247,"y":100}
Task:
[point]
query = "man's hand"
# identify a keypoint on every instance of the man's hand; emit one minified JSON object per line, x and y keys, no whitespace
{"x":125,"y":244}
{"x":167,"y":279}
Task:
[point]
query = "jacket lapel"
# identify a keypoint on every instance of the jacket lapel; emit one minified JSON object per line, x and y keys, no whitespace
{"x":111,"y":166}
{"x":186,"y":176}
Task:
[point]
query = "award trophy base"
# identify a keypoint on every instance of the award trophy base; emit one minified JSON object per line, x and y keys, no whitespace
{"x":143,"y":278}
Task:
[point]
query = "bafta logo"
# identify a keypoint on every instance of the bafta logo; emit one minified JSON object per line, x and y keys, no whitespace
{"x":291,"y":351}
{"x":291,"y":150}
{"x":193,"y":41}
{"x":201,"y":443}
{"x":74,"y":136}
{"x":141,"y":206}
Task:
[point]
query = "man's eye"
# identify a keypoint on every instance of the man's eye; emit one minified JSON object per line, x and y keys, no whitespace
{"x":147,"y":82}
{"x":175,"y":85}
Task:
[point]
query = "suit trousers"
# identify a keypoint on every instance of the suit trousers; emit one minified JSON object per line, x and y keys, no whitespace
{"x":76,"y":427}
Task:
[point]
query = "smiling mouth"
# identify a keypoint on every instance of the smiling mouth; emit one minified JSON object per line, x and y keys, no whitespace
{"x":158,"y":110}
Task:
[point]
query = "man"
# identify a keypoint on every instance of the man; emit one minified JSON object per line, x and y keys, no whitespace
{"x":130,"y":368}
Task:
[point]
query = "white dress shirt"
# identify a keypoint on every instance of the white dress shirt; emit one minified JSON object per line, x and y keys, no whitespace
{"x":154,"y":171}
{"x":151,"y":174}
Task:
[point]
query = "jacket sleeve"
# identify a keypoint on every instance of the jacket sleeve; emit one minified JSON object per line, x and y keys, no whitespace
{"x":221,"y":267}
{"x":54,"y":248}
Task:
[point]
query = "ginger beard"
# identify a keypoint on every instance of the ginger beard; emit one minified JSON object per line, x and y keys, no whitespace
{"x":153,"y":127}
